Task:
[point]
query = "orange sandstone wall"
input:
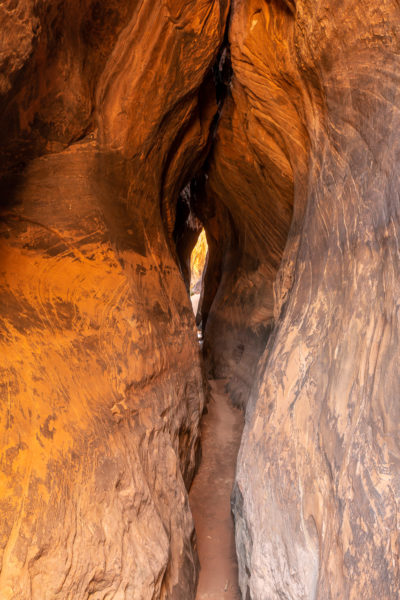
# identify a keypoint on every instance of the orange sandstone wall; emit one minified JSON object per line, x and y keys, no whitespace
{"x":100,"y":378}
{"x":258,"y":163}
{"x":107,"y":111}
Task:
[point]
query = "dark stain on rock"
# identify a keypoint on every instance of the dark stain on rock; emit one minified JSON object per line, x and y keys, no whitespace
{"x":47,"y":430}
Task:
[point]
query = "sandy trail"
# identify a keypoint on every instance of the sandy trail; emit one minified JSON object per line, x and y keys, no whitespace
{"x":210,"y":498}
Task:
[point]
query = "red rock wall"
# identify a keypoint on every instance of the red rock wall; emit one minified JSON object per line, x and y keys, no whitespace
{"x":107,"y":110}
{"x":259,"y":159}
{"x":318,"y":486}
{"x":101,"y":381}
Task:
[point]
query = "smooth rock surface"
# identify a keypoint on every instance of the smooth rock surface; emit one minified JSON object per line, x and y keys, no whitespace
{"x":258,"y":161}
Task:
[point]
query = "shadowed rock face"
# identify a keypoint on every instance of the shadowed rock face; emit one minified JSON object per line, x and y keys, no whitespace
{"x":107,"y":111}
{"x":259,"y":159}
{"x":102,"y":389}
{"x":318,"y":482}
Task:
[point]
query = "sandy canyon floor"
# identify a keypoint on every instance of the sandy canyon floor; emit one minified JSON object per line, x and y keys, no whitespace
{"x":210,"y":498}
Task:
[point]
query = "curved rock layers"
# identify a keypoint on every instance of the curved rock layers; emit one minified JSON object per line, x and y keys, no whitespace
{"x":258,"y":161}
{"x":101,"y":381}
{"x":318,"y":483}
{"x":107,"y":111}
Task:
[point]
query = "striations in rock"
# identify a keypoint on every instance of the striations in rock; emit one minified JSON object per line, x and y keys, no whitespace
{"x":317,"y":491}
{"x":282,"y":132}
{"x":258,"y":159}
{"x":104,"y":113}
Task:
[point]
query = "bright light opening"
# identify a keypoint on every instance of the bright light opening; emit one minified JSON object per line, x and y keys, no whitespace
{"x":197,"y":263}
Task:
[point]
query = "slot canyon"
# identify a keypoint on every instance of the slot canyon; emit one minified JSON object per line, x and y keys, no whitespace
{"x":127,"y":128}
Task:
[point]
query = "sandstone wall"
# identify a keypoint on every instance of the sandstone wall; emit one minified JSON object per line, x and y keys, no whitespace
{"x":101,"y":382}
{"x":318,"y":486}
{"x":107,"y":111}
{"x":258,"y":161}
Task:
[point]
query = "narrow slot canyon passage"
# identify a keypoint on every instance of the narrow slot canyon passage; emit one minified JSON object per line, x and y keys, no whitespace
{"x":264,"y":135}
{"x":210,"y":493}
{"x":210,"y":496}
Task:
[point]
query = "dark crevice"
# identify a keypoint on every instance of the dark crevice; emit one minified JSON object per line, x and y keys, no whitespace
{"x":222,"y":70}
{"x":186,"y":232}
{"x":194,"y":210}
{"x":217,"y":80}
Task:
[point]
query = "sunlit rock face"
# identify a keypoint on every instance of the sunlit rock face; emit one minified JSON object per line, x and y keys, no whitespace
{"x":100,"y":375}
{"x":318,"y":483}
{"x":197,"y":262}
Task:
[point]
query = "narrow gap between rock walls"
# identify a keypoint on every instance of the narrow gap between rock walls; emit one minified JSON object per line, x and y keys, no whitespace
{"x":222,"y":423}
{"x":221,"y":427}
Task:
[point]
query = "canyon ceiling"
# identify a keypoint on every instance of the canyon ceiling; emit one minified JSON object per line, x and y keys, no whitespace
{"x":275,"y":124}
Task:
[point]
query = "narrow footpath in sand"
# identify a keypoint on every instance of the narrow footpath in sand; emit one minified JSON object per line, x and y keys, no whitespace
{"x":210,"y":498}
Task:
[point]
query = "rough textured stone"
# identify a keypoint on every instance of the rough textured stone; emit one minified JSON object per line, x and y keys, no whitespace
{"x":318,"y":482}
{"x":107,"y":110}
{"x":102,"y":388}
